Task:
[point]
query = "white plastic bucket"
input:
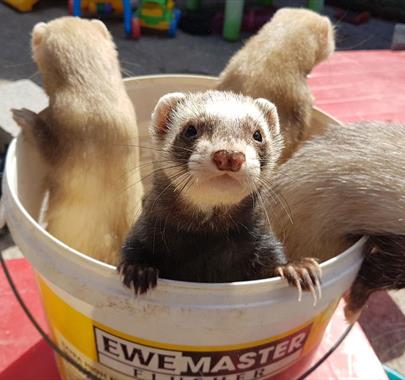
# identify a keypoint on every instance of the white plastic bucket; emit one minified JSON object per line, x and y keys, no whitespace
{"x":180,"y":330}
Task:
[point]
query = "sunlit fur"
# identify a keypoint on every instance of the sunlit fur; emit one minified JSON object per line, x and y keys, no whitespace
{"x":344,"y":184}
{"x":274,"y":65}
{"x":348,"y":182}
{"x":93,"y":178}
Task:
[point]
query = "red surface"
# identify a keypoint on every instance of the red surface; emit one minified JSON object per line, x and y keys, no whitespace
{"x":22,"y":351}
{"x":361,"y":85}
{"x":354,"y":359}
{"x":350,"y":86}
{"x":37,"y":363}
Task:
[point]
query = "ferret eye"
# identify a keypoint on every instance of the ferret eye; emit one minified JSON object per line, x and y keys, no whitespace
{"x":258,"y":136}
{"x":190,"y":132}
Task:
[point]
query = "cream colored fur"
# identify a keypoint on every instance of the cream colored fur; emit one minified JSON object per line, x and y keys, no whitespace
{"x":274,"y":64}
{"x":348,"y":182}
{"x":94,"y":179}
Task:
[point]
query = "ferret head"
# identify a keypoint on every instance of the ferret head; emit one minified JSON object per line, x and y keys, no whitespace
{"x":216,"y":147}
{"x":70,"y":47}
{"x":313,"y":31}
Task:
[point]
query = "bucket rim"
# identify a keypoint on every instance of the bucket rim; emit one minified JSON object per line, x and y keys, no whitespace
{"x":140,"y":78}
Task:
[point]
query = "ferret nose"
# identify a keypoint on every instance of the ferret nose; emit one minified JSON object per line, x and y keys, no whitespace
{"x":228,"y":160}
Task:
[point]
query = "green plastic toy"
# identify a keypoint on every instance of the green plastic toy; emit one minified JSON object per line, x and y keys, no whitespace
{"x":155,"y":14}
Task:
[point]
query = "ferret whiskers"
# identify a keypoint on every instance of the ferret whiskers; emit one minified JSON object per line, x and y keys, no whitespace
{"x":260,"y":200}
{"x":176,"y":175}
{"x":277,"y":197}
{"x":155,"y":148}
{"x":143,"y":165}
{"x":34,"y":75}
{"x":130,"y":63}
{"x":151,"y":174}
{"x":188,"y":185}
{"x":179,"y":187}
{"x":126,"y":72}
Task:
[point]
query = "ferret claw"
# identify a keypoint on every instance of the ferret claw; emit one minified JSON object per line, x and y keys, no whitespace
{"x":318,"y":287}
{"x":305,"y":275}
{"x":310,"y":282}
{"x":138,"y":277}
{"x":316,"y":266}
{"x":297,"y":281}
{"x":290,"y":274}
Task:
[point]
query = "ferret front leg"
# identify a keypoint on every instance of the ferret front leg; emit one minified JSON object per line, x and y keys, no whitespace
{"x":135,"y":267}
{"x":304,"y":274}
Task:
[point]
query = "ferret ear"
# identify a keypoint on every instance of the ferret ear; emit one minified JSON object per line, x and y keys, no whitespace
{"x":161,"y":113}
{"x":270,"y":112}
{"x":101,"y":27}
{"x":38,"y":32}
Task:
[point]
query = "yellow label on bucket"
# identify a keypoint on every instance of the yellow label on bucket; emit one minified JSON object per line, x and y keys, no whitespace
{"x":111,"y":354}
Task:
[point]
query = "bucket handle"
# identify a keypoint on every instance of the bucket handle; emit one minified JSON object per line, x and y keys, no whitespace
{"x":35,"y":323}
{"x":2,"y":215}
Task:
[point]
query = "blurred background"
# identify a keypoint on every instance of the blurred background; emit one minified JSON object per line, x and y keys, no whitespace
{"x":205,"y":51}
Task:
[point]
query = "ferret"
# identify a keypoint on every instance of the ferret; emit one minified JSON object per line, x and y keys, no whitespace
{"x":341,"y":185}
{"x":204,"y":220}
{"x":84,"y":136}
{"x":275,"y":63}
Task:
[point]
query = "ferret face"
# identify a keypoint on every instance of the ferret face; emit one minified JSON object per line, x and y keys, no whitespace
{"x":216,"y":147}
{"x":72,"y":47}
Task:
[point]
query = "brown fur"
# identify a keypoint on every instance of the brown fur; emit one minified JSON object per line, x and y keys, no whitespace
{"x":83,"y":136}
{"x":341,"y":185}
{"x":274,"y":65}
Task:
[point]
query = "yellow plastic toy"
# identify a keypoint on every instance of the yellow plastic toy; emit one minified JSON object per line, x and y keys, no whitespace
{"x":21,"y":5}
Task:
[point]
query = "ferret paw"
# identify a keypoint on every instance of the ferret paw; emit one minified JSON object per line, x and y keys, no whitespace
{"x":139,"y":277}
{"x":25,"y":118}
{"x":304,"y":274}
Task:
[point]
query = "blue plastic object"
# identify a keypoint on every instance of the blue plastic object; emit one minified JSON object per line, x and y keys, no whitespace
{"x":173,"y":25}
{"x":76,"y":9}
{"x":392,"y":374}
{"x":127,"y":17}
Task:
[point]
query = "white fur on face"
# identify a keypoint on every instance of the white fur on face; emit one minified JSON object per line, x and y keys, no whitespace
{"x":212,"y":187}
{"x":202,"y":184}
{"x":233,"y":110}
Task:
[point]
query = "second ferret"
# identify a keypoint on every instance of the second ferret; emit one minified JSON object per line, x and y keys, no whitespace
{"x":83,"y":137}
{"x":341,"y":185}
{"x":274,"y":64}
